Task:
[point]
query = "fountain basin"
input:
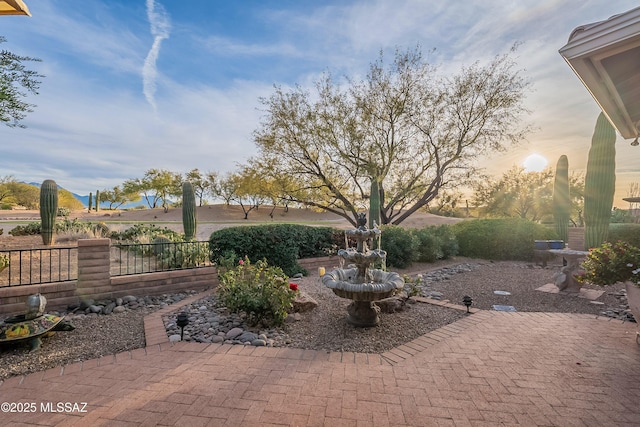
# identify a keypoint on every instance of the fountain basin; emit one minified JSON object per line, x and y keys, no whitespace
{"x":383,"y":284}
{"x":353,"y":256}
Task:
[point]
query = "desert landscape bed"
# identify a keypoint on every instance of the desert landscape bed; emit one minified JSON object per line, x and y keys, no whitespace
{"x":324,"y":328}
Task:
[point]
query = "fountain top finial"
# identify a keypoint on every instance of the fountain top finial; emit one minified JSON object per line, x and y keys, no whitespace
{"x":361,"y":221}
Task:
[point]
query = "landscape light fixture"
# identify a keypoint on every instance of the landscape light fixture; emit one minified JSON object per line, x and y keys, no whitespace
{"x":182,"y":320}
{"x":467,"y":301}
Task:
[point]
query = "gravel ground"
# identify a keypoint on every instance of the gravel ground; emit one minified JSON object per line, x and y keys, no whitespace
{"x":326,"y":328}
{"x":94,"y":336}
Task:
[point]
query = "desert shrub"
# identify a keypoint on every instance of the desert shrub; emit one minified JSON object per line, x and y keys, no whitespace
{"x":259,"y":290}
{"x":629,"y":233}
{"x":30,"y":229}
{"x":149,"y":231}
{"x":183,"y":255}
{"x":500,"y":239}
{"x":401,"y":246}
{"x":101,"y":229}
{"x":171,"y":252}
{"x":65,"y":228}
{"x":621,"y":216}
{"x":610,"y":263}
{"x":227,"y":260}
{"x":62,"y":211}
{"x":73,"y":226}
{"x":428,"y":245}
{"x":280,"y":245}
{"x":160,"y":244}
{"x":75,"y":229}
{"x":448,"y":241}
{"x":435,"y":242}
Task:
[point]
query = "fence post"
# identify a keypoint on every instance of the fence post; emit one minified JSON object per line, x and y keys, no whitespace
{"x":94,"y":277}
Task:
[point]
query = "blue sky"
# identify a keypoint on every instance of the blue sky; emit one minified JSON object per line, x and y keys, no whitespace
{"x":133,"y":85}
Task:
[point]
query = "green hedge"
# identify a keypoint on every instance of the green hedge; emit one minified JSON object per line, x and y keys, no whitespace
{"x":280,"y":244}
{"x":405,"y":246}
{"x":400,"y":244}
{"x":436,"y":242}
{"x":500,"y":239}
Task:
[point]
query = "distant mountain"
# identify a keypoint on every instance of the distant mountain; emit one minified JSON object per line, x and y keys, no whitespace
{"x":105,"y":205}
{"x":85,"y":199}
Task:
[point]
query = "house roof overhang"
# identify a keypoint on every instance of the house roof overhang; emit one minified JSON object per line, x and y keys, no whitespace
{"x":605,"y":56}
{"x":13,"y":7}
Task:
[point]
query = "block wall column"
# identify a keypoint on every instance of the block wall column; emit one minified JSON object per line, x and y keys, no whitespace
{"x":94,"y":278}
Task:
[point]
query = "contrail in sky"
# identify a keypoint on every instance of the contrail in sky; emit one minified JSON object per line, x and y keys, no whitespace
{"x":160,"y":27}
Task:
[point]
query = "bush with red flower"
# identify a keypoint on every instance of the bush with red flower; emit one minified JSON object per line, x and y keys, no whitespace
{"x":261,"y":291}
{"x":611,"y":263}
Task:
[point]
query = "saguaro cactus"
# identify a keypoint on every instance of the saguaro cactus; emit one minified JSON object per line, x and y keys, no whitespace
{"x":90,"y":201}
{"x":374,"y":203}
{"x":97,"y":200}
{"x":561,"y":199}
{"x":48,"y":210}
{"x":599,"y":183}
{"x":189,"y":221}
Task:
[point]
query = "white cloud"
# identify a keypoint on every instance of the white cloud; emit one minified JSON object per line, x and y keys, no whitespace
{"x":227,"y":46}
{"x":160,"y":28}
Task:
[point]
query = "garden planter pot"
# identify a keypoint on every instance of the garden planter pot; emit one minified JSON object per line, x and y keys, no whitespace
{"x":541,"y":245}
{"x":556,"y":244}
{"x":633,"y":298}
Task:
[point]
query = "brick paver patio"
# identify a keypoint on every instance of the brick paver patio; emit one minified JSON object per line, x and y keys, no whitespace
{"x":491,"y":368}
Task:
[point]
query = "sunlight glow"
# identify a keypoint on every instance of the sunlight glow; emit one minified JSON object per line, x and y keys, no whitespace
{"x":535,"y":163}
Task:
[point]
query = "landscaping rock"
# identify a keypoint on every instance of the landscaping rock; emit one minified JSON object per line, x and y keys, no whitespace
{"x":247,"y":336}
{"x":293,"y":317}
{"x":109,"y":308}
{"x":391,"y":305}
{"x":233,"y":333}
{"x":303,"y":303}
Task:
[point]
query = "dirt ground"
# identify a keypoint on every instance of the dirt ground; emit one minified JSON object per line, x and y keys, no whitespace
{"x":210,"y":218}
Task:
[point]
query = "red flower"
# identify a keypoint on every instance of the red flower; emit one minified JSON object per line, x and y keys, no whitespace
{"x":241,"y":262}
{"x":293,"y":287}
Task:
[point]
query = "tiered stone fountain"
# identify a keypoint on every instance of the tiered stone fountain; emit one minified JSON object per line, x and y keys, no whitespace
{"x":360,"y":283}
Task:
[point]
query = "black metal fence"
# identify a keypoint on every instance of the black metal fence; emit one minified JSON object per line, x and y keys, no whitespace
{"x":137,"y":258}
{"x":35,"y":266}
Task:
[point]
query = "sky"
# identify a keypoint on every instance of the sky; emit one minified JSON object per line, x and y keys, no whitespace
{"x":132,"y":85}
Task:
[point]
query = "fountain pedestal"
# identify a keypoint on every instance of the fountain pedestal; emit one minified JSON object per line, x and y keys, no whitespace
{"x":363,"y":314}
